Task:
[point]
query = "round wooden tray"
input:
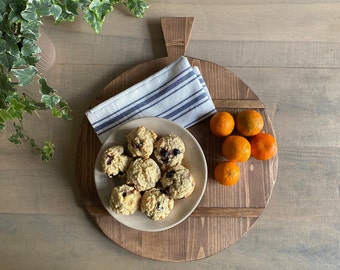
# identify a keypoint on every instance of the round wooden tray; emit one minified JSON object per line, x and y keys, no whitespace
{"x":225,"y":214}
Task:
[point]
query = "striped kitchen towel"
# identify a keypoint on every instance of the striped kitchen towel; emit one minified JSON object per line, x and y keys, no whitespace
{"x":177,"y":92}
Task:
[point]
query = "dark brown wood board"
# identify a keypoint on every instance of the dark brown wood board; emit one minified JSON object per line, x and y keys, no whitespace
{"x":225,"y":214}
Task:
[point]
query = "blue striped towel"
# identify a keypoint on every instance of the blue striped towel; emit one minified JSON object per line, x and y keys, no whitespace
{"x":177,"y":92}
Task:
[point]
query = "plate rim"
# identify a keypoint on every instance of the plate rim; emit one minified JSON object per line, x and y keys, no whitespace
{"x":198,"y":148}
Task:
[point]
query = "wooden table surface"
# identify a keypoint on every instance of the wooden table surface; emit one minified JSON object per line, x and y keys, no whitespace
{"x":287,"y":52}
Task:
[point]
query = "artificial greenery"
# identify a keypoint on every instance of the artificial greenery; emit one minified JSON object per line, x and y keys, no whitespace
{"x":19,"y":30}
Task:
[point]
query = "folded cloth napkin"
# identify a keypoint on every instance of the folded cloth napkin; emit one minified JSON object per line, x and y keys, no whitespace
{"x":177,"y":92}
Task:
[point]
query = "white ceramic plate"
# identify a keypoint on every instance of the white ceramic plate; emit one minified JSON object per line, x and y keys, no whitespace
{"x":194,"y":159}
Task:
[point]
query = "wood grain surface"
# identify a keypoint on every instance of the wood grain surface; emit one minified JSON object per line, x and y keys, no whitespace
{"x":286,"y":51}
{"x":233,"y":208}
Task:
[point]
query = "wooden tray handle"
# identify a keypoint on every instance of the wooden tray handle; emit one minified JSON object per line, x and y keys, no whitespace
{"x":176,"y":32}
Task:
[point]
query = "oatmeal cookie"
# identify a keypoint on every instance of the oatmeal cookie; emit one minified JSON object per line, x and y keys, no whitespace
{"x":178,"y":182}
{"x":169,"y":151}
{"x":155,"y":204}
{"x":143,"y":173}
{"x":125,"y":200}
{"x":114,"y":161}
{"x":141,"y":142}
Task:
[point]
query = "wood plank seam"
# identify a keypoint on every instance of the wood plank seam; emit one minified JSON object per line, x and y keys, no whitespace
{"x":240,"y":212}
{"x":238,"y":104}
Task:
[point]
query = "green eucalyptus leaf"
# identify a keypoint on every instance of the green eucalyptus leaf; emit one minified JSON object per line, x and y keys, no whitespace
{"x":25,"y":75}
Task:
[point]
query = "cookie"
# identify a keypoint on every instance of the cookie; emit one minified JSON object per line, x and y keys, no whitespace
{"x":155,"y":204}
{"x":125,"y":200}
{"x":114,"y":161}
{"x":141,"y":142}
{"x":169,"y":151}
{"x":143,"y":173}
{"x":178,"y":182}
